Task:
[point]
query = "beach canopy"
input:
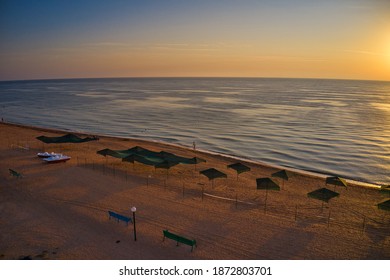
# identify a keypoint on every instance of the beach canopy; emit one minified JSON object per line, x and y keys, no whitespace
{"x":213,"y":173}
{"x":239,"y":167}
{"x":149,"y":157}
{"x":283,"y":174}
{"x":323,"y":194}
{"x":67,"y":138}
{"x":267,"y":184}
{"x":385,"y":205}
{"x":336,"y":181}
{"x":108,"y":152}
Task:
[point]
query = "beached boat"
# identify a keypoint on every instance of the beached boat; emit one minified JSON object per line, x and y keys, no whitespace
{"x":57,"y":158}
{"x":46,"y":154}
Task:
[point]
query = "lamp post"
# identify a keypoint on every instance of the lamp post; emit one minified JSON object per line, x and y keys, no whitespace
{"x":133,"y":209}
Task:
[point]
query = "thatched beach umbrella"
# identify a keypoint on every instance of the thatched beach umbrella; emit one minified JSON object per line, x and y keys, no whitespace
{"x":239,"y":167}
{"x":266,"y":184}
{"x":212,"y":174}
{"x":283,"y":174}
{"x":323,"y":194}
{"x":336,"y":181}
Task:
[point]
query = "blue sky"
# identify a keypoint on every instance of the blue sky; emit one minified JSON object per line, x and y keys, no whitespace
{"x":64,"y":39}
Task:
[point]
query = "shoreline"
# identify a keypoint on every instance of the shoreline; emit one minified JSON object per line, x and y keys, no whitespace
{"x":313,"y":174}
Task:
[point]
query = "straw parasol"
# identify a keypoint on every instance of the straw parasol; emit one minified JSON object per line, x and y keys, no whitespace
{"x":239,"y":167}
{"x":212,"y":174}
{"x":283,"y":174}
{"x":323,"y":194}
{"x":336,"y":181}
{"x":266,"y":184}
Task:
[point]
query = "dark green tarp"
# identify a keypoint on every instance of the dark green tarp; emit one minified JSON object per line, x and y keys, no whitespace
{"x":67,"y":138}
{"x":385,"y":205}
{"x":239,"y":167}
{"x":148,"y":157}
{"x":323,"y":194}
{"x":108,"y":152}
{"x":166,"y":164}
{"x":267,"y":184}
{"x":213,"y":173}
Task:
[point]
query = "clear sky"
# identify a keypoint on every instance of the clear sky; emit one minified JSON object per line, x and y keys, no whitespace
{"x":214,"y":38}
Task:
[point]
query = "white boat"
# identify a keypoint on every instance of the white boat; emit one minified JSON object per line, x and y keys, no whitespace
{"x":57,"y":158}
{"x":46,"y":154}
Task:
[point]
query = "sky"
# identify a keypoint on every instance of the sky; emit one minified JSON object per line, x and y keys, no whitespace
{"x":342,"y":39}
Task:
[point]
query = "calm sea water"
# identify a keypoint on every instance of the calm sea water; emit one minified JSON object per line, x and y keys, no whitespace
{"x":337,"y":127}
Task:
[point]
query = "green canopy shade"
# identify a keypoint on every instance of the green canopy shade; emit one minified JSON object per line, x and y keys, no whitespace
{"x":137,"y":150}
{"x":336,"y":181}
{"x":213,"y":173}
{"x":267,"y":184}
{"x":166,"y":164}
{"x":385,"y":205}
{"x":283,"y":174}
{"x":323,"y":194}
{"x":239,"y":167}
{"x":67,"y":138}
{"x":108,"y":152}
{"x":152,"y":161}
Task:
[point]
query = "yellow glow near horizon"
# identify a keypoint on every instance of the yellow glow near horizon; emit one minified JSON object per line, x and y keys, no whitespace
{"x":331,"y":39}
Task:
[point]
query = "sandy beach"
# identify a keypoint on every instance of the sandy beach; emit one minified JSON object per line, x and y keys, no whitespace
{"x":60,"y":211}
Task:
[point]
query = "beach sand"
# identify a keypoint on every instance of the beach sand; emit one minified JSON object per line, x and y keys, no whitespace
{"x":60,"y":211}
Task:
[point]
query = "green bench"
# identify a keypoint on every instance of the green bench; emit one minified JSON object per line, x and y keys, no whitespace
{"x":179,"y":239}
{"x":15,"y":173}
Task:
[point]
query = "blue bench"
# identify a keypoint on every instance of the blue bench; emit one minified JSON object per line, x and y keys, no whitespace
{"x":119,"y":217}
{"x":180,"y":239}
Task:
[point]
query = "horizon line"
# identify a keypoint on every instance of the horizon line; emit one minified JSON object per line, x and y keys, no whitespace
{"x":193,"y":77}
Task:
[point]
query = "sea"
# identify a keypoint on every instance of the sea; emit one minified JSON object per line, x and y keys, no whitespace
{"x":334,"y":127}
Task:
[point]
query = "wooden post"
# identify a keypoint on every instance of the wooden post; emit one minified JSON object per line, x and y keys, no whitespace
{"x":329,"y":219}
{"x":202,"y":192}
{"x":265,"y":201}
{"x":296,"y":212}
{"x":236,"y":200}
{"x":183,"y":189}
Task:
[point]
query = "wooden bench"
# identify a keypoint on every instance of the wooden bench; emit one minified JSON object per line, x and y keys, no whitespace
{"x":15,"y":173}
{"x":119,"y":217}
{"x":179,"y":239}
